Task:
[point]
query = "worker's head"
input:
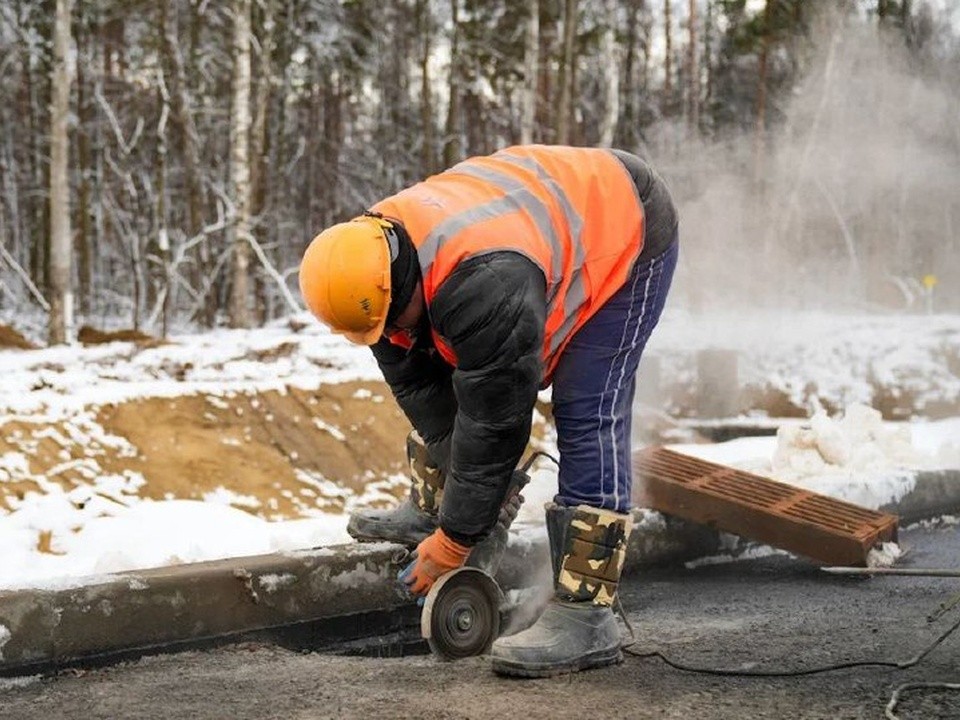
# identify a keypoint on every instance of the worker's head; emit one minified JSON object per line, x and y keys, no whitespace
{"x":359,"y":277}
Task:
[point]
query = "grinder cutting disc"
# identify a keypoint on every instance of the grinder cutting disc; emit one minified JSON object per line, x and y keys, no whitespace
{"x":461,"y":614}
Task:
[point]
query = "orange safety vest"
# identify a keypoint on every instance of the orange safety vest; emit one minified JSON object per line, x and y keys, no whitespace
{"x":574,"y":212}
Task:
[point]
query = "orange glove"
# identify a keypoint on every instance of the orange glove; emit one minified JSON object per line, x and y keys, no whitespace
{"x":437,"y":555}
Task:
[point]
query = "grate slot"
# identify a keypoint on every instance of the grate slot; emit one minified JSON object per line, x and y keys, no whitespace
{"x":838,"y":508}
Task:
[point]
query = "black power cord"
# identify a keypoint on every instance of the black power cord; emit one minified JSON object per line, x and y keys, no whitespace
{"x":538,"y":454}
{"x":894,"y":664}
{"x":727,"y":672}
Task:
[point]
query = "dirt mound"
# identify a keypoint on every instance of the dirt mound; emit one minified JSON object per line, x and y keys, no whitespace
{"x":277,"y":454}
{"x":10,"y":339}
{"x":91,"y":336}
{"x":285,"y":452}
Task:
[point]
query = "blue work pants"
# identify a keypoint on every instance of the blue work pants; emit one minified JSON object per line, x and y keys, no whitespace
{"x":593,"y":388}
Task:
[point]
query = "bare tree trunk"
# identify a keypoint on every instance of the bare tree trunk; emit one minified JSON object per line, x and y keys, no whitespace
{"x":428,"y":155}
{"x":474,"y":107}
{"x":646,"y":42}
{"x":452,"y":145}
{"x":183,"y":115}
{"x":565,"y":106}
{"x":610,"y":54}
{"x":531,"y":56}
{"x":760,"y":136}
{"x":693,"y":69}
{"x":35,"y":105}
{"x":61,"y":296}
{"x":261,"y":103}
{"x":546,"y":90}
{"x":668,"y":57}
{"x":260,"y":152}
{"x":84,"y":211}
{"x":626,"y":136}
{"x":163,"y":233}
{"x":240,"y":167}
{"x":708,"y":53}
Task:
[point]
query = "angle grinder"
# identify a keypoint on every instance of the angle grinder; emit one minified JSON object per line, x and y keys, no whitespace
{"x":461,"y":614}
{"x":463,"y":611}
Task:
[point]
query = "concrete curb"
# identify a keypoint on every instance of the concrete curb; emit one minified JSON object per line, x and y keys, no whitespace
{"x":140,"y":611}
{"x":308,"y":598}
{"x":90,"y":620}
{"x":937,"y":492}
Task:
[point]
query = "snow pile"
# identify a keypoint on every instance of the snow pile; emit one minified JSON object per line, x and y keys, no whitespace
{"x":856,"y":458}
{"x":884,"y":556}
{"x":858,"y":442}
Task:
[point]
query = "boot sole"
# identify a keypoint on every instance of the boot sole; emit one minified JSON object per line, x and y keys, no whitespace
{"x":370,"y":537}
{"x":359,"y":537}
{"x":602,"y":658}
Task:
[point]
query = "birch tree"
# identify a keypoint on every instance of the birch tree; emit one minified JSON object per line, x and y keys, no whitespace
{"x":240,"y":167}
{"x":610,"y":59}
{"x":61,"y":296}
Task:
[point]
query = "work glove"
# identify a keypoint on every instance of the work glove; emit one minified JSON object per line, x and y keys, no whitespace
{"x":435,"y":556}
{"x":511,"y":507}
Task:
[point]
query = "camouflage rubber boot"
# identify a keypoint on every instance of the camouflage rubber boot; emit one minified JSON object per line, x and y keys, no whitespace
{"x":416,"y":517}
{"x":578,"y":629}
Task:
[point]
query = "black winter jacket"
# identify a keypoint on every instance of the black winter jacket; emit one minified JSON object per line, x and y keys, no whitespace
{"x":491,"y":311}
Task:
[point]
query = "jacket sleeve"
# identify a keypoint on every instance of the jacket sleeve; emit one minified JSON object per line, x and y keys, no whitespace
{"x":492,"y":313}
{"x":421,"y":382}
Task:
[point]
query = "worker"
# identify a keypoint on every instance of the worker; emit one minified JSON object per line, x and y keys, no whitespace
{"x":476,"y":288}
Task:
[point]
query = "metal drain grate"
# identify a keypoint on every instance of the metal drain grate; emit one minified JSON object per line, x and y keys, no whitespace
{"x":822,"y":528}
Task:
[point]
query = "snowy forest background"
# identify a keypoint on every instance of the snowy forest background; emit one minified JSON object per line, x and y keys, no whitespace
{"x":164,"y":164}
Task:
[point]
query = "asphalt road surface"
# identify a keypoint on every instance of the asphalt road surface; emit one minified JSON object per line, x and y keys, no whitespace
{"x":773,"y":613}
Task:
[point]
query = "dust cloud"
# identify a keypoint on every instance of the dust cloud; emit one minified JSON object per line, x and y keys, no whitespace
{"x":851,"y":198}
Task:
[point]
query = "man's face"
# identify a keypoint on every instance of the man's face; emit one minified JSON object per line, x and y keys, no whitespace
{"x":408,"y":325}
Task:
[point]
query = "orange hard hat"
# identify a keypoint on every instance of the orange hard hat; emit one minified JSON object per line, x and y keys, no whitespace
{"x":345,"y":278}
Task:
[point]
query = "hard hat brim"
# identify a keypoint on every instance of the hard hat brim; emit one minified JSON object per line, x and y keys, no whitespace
{"x":370,"y":337}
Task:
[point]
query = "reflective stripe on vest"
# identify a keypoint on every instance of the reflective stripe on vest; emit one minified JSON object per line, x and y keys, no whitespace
{"x":574,"y":212}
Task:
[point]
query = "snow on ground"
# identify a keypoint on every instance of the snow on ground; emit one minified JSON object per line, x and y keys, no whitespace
{"x":103,"y":526}
{"x":296,"y":351}
{"x":114,"y":534}
{"x":909,"y":361}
